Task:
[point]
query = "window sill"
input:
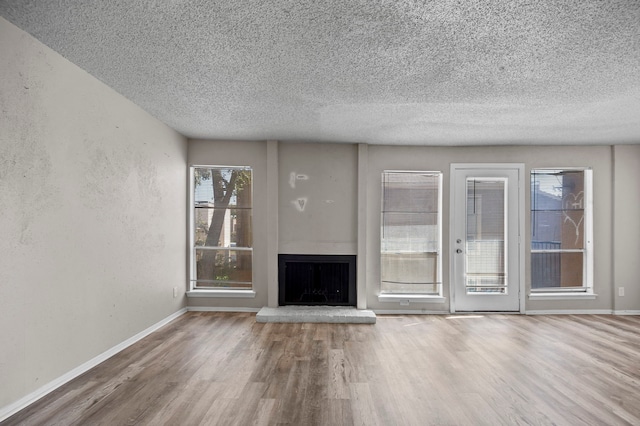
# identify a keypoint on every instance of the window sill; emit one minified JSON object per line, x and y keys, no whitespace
{"x":419,"y":298}
{"x":222,"y":293}
{"x":562,"y":296}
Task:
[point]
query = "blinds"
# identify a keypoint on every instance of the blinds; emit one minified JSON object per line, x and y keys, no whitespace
{"x":410,"y":231}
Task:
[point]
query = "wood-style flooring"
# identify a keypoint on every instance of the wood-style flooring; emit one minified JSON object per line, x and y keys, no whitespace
{"x":224,"y":368}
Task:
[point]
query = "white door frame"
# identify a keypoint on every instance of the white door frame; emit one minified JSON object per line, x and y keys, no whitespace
{"x":521,"y":223}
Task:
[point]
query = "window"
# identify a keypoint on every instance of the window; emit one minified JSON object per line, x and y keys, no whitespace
{"x":561,"y":231}
{"x":221,"y":252}
{"x":411,"y":233}
{"x":485,"y":241}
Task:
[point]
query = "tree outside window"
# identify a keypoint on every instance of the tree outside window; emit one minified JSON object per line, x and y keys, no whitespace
{"x":222,"y":254}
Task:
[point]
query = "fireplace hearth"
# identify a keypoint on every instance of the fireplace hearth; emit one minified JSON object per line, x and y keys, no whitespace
{"x":316,"y":280}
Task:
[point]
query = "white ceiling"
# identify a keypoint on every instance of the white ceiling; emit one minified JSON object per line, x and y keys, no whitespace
{"x":446,"y":72}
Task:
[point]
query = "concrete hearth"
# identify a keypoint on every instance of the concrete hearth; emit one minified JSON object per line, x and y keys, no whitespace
{"x":316,"y":314}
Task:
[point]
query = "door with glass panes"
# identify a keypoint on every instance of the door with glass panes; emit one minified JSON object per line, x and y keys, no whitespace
{"x":486,"y":214}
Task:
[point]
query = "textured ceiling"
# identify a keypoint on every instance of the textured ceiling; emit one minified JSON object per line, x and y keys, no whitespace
{"x":387,"y":72}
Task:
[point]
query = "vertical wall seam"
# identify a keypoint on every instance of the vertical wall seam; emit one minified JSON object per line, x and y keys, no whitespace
{"x":614,"y":300}
{"x":363,"y":171}
{"x":273,"y":246}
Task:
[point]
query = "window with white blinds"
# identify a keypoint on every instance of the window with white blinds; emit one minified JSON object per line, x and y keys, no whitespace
{"x":411,"y":232}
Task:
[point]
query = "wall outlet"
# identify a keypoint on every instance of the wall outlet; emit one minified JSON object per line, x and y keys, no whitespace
{"x":621,"y":291}
{"x":175,"y":292}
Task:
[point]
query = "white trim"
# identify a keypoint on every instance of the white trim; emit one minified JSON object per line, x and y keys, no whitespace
{"x":418,"y":298}
{"x":219,"y":309}
{"x":222,"y":293}
{"x":520,"y":168}
{"x":408,"y":312}
{"x":570,"y":312}
{"x":223,"y":248}
{"x":587,"y":263}
{"x":562,"y":296}
{"x":588,"y":228}
{"x":11,"y":409}
{"x":627,"y":312}
{"x":440,"y":177}
{"x":191,"y":223}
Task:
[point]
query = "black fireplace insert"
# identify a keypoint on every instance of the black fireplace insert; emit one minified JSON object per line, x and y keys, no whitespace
{"x":316,"y":280}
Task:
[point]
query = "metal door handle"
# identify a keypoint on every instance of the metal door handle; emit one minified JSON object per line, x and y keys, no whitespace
{"x":458,"y":250}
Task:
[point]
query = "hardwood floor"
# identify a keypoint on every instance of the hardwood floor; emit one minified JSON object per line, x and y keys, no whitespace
{"x":224,"y":368}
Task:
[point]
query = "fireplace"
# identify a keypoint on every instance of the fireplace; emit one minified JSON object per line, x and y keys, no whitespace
{"x":316,"y":280}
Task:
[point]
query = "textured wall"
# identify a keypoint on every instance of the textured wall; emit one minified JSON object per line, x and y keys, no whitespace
{"x":627,"y":227}
{"x":92,"y":210}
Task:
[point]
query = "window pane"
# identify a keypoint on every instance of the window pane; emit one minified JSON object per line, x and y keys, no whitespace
{"x":556,"y":269}
{"x":222,"y":218}
{"x":485,"y":242}
{"x":222,"y":187}
{"x":555,"y":230}
{"x":396,"y":288}
{"x":409,"y":268}
{"x":410,"y":232}
{"x":557,"y":210}
{"x":410,"y":192}
{"x":222,"y":227}
{"x":223,"y":268}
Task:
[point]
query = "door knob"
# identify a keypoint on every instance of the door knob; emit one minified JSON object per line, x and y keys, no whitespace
{"x":458,"y":250}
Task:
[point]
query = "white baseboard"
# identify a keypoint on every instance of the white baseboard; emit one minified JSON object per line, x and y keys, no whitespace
{"x":570,"y":312}
{"x":11,"y":409}
{"x":408,"y":312}
{"x":627,"y":312}
{"x":220,"y":309}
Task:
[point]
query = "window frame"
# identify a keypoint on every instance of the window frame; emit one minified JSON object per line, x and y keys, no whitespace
{"x":420,"y":296}
{"x":204,"y":291}
{"x":587,"y":289}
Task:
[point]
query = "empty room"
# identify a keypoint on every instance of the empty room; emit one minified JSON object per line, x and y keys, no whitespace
{"x":319,"y":213}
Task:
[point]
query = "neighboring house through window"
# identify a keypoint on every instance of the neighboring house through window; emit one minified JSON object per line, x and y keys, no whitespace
{"x":561,"y":231}
{"x":411,"y":233}
{"x":221,"y":252}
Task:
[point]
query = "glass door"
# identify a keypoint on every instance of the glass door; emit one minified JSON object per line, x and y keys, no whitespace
{"x":486,"y":238}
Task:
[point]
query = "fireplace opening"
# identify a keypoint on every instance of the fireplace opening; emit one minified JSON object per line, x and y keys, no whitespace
{"x":316,"y":280}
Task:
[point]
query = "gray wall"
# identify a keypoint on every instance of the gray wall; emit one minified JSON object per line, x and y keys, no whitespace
{"x":439,"y":159}
{"x":326,"y":175}
{"x":318,"y":198}
{"x":626,"y":220}
{"x":92,"y":217}
{"x":238,"y":153}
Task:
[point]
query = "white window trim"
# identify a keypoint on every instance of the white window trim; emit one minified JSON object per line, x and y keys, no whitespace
{"x":588,"y":292}
{"x":562,"y":296}
{"x":410,"y":297}
{"x":210,"y":292}
{"x":221,"y":293}
{"x":420,"y":297}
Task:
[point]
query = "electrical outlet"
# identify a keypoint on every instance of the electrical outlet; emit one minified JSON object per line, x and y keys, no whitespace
{"x":175,"y":292}
{"x":621,"y":291}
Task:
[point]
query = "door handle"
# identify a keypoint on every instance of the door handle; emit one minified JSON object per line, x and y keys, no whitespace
{"x":458,"y":250}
